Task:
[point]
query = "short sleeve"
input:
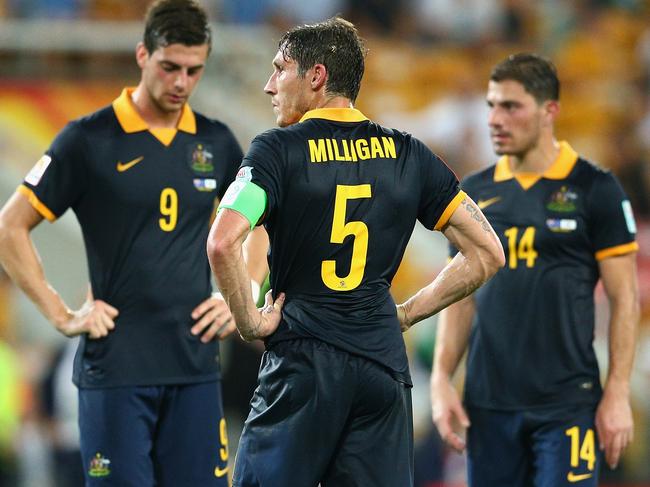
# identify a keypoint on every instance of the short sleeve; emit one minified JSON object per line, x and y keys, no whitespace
{"x":612,"y":228}
{"x":263,"y":166}
{"x":439,"y":190}
{"x":233,"y":155}
{"x":58,"y":180}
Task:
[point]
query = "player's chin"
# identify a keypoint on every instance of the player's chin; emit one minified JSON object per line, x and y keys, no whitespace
{"x":282,"y":122}
{"x":500,"y":149}
{"x":172,"y":104}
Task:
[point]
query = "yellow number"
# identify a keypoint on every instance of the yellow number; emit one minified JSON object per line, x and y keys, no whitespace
{"x":169,"y":209}
{"x":223,"y":436}
{"x":511,"y":233}
{"x":586,"y":452}
{"x":340,"y":230}
{"x":525,"y":249}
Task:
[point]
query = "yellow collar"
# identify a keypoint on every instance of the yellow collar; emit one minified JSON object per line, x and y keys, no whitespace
{"x":131,"y":121}
{"x":335,"y":114}
{"x":560,"y":169}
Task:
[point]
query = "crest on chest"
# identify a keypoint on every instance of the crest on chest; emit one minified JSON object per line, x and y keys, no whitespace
{"x":201,"y":158}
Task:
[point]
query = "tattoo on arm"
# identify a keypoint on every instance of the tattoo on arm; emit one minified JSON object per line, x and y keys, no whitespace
{"x":476,"y":215}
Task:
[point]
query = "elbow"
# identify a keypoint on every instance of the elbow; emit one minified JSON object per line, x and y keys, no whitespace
{"x":220,"y":248}
{"x":6,"y":234}
{"x":493,"y":259}
{"x":247,"y":336}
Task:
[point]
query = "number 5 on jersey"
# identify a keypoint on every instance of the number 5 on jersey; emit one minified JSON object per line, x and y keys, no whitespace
{"x":340,"y":230}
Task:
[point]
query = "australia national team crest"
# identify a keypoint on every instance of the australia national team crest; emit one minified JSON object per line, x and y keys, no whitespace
{"x":201,"y":158}
{"x":99,"y":466}
{"x":563,"y":200}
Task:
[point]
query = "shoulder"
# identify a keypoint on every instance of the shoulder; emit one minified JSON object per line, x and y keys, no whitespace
{"x":210,"y":125}
{"x":277,"y":133}
{"x":401,"y":136}
{"x":91,"y":122}
{"x":481,"y":176}
{"x":590,"y":175}
{"x":383,"y":130}
{"x":275,"y":137}
{"x":586,"y":168}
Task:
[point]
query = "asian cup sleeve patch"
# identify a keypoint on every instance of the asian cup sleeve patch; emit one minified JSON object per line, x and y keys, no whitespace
{"x":247,"y":199}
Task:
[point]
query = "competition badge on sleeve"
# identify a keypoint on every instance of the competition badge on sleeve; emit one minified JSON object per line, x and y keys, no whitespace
{"x":629,"y":216}
{"x":34,"y":176}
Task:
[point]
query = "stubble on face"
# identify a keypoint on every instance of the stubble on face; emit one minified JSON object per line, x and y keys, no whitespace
{"x":289,"y":91}
{"x":171,"y":73}
{"x":514,"y":118}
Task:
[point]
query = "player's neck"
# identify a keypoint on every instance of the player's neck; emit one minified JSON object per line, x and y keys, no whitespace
{"x":334,"y":102}
{"x":151,"y":113}
{"x":537,"y":160}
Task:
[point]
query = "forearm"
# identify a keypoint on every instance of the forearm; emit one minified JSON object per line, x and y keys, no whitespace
{"x":21,"y":262}
{"x":480,"y":256}
{"x":622,"y":343}
{"x":461,"y":277}
{"x":620,"y":283}
{"x":225,"y":253}
{"x":452,"y":338}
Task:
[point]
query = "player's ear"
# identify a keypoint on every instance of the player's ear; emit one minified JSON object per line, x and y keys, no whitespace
{"x":552,"y":109}
{"x":141,"y":54}
{"x":318,"y":76}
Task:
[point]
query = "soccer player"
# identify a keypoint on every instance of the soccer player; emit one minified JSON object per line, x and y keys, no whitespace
{"x":339,"y":196}
{"x":532,"y":390}
{"x":141,"y":176}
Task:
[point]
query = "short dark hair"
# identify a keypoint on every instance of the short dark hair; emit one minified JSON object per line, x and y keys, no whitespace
{"x":176,"y":22}
{"x":537,"y":74}
{"x":336,"y":44}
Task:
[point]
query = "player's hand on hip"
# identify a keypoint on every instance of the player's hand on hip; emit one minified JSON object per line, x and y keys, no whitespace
{"x":95,"y":318}
{"x":614,"y":425}
{"x":214,"y":319}
{"x":402,"y":316}
{"x":270,"y":314}
{"x":448,"y":414}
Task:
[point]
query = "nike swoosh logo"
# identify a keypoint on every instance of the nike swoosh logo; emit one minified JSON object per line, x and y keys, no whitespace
{"x":485,"y":203}
{"x":128,"y":165}
{"x":220,"y":472}
{"x":572,"y":477}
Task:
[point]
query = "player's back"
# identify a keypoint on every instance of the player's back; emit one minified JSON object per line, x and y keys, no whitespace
{"x":343,"y":199}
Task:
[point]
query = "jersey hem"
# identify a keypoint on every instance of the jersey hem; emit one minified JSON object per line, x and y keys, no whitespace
{"x":451,"y":207}
{"x":38,"y":205}
{"x":160,"y":382}
{"x":617,"y":250}
{"x":523,"y":407}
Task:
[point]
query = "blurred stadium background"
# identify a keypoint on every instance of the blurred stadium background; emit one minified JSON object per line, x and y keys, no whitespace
{"x":427,"y":70}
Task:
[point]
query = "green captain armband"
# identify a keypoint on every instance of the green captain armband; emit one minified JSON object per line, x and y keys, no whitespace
{"x":246,"y":198}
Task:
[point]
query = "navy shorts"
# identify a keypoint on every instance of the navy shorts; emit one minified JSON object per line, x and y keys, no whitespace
{"x":162,"y":436}
{"x":322,"y":415}
{"x":549,"y":447}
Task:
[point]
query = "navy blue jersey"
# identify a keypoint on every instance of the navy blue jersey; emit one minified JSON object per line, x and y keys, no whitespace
{"x":343,"y":197}
{"x":531,"y":342}
{"x":144,"y":199}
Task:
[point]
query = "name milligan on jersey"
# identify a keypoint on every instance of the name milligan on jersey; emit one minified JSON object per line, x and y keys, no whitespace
{"x":343,"y":150}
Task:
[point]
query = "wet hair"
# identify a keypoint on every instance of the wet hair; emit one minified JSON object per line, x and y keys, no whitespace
{"x":334,"y":43}
{"x":176,"y":22}
{"x":537,"y":75}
